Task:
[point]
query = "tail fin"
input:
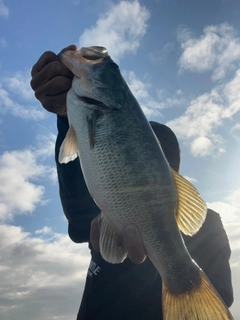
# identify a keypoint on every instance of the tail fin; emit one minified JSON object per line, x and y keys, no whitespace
{"x":201,"y":303}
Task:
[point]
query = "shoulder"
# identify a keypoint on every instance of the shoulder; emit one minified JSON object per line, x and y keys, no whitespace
{"x":213,"y":216}
{"x":211,"y":235}
{"x":212,"y":226}
{"x":210,"y":248}
{"x":213,"y":221}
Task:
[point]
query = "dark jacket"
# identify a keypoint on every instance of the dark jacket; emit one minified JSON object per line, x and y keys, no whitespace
{"x":129,"y":291}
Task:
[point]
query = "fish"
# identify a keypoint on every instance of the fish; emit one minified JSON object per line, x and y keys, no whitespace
{"x":132,"y":183}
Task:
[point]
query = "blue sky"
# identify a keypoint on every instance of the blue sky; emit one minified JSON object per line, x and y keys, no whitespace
{"x":182,"y":61}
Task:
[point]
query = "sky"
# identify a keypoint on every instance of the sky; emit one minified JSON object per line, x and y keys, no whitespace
{"x":181,"y":60}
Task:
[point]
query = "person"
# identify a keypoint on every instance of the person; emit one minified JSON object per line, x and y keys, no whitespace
{"x":132,"y":289}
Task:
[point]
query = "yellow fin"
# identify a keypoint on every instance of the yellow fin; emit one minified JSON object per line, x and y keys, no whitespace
{"x":111,"y":243}
{"x":191,"y":209}
{"x":201,"y":303}
{"x":69,"y":148}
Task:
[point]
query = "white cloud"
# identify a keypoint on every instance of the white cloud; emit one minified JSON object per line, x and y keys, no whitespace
{"x":19,"y":84}
{"x":231,"y":93}
{"x":229,"y":210}
{"x":46,"y":149}
{"x":176,"y":100}
{"x":199,"y":125}
{"x":201,"y":146}
{"x":120,"y":29}
{"x":19,"y":172}
{"x":45,"y":145}
{"x":17,"y":88}
{"x":236,"y":278}
{"x":25,"y":112}
{"x":17,"y":192}
{"x":217,"y":49}
{"x":229,"y":213}
{"x":52,"y":174}
{"x":236,"y":127}
{"x":234,"y":197}
{"x":140,"y":89}
{"x":44,"y":231}
{"x":40,"y":278}
{"x":4,"y":12}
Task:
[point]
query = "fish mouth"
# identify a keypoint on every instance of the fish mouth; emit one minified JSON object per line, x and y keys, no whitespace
{"x":90,"y":54}
{"x":78,"y":60}
{"x":93,"y":53}
{"x":93,"y":102}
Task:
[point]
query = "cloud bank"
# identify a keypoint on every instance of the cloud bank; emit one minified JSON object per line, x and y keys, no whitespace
{"x":216,"y":50}
{"x":41,"y":276}
{"x":20,"y":173}
{"x":120,"y":29}
{"x":17,"y":88}
{"x":140,"y":89}
{"x":199,"y":125}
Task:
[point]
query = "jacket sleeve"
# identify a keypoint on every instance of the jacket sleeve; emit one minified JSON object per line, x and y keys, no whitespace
{"x":211,"y":251}
{"x":78,"y":206}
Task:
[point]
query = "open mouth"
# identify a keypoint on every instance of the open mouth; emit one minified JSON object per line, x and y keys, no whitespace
{"x":94,"y":52}
{"x":94,"y":102}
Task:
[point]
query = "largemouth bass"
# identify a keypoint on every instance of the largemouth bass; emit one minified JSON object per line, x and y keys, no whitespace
{"x":130,"y":180}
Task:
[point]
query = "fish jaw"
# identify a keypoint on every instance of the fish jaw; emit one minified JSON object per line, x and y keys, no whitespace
{"x":75,"y":60}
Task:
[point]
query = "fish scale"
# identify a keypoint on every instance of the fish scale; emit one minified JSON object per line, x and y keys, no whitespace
{"x":130,"y":180}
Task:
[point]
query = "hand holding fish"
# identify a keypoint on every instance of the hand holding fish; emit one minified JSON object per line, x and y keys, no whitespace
{"x":51,"y":81}
{"x":133,"y":240}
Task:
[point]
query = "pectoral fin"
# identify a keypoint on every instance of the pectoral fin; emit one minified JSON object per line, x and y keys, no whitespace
{"x":91,"y":124}
{"x":111,"y":243}
{"x":191,"y":209}
{"x":69,"y":148}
